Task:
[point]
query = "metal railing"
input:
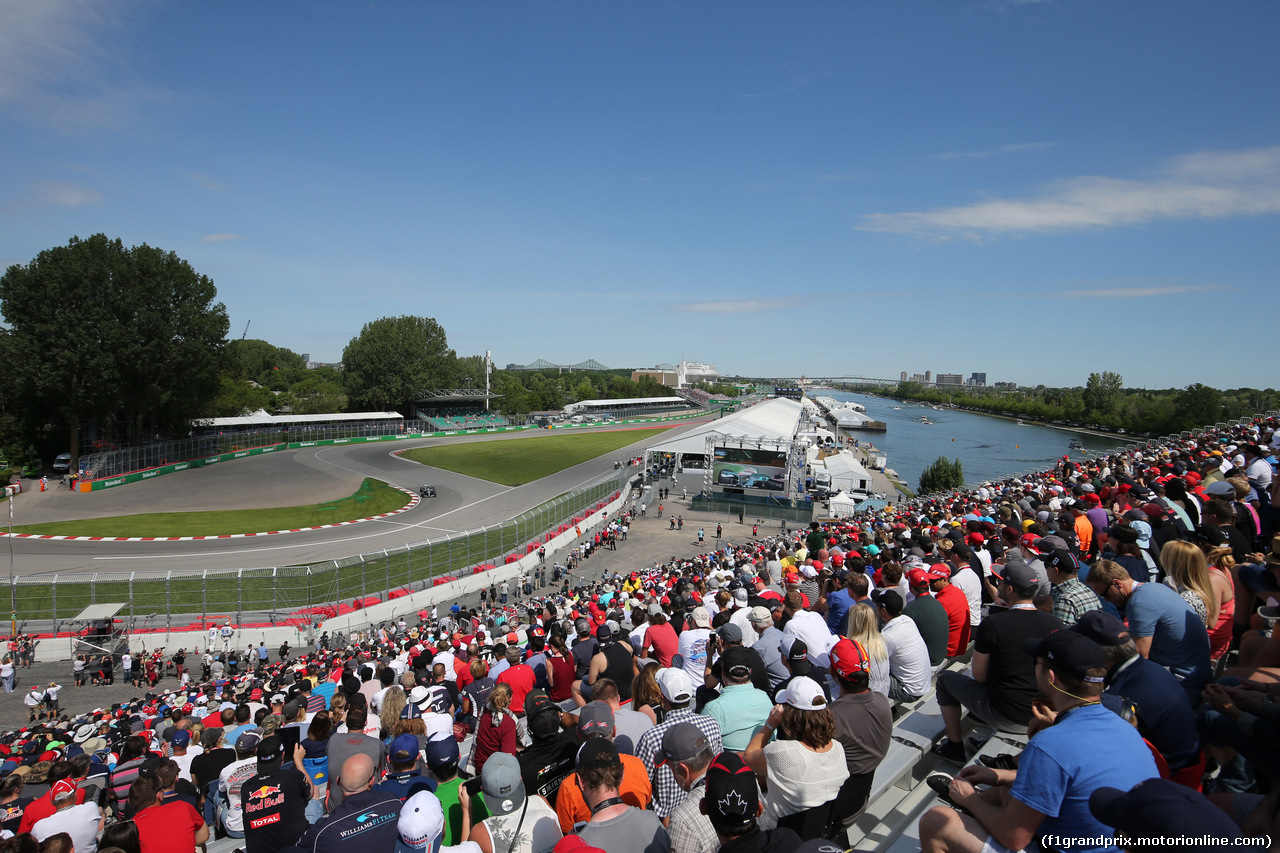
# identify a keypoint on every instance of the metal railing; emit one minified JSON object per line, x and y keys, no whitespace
{"x":117,"y":461}
{"x":181,"y":599}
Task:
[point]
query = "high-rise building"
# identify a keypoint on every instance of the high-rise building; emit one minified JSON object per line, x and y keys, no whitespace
{"x":950,"y":379}
{"x":978,"y":380}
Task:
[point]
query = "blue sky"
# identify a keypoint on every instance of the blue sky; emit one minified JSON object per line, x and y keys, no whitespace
{"x":1035,"y":190}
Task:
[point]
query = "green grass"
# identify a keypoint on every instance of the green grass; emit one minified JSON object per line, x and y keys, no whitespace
{"x":372,"y":498}
{"x":292,"y":588}
{"x":523,"y":460}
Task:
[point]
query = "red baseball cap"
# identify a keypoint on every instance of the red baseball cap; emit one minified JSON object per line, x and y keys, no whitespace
{"x":849,"y":657}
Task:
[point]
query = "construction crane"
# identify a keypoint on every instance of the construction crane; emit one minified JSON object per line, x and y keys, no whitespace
{"x":246,"y":330}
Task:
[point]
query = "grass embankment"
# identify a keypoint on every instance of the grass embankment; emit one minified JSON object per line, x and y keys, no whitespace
{"x":523,"y":460}
{"x":372,"y":498}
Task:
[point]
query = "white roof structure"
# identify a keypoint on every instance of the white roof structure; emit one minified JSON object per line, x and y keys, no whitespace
{"x":262,"y":419}
{"x":582,"y":405}
{"x":846,"y":466}
{"x":842,"y":505}
{"x":773,"y":419}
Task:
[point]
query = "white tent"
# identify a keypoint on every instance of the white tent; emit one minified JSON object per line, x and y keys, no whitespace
{"x":842,"y":505}
{"x":774,"y":419}
{"x":847,"y":472}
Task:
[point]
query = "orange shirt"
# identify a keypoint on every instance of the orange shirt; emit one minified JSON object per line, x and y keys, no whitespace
{"x":1084,"y":532}
{"x":635,"y":789}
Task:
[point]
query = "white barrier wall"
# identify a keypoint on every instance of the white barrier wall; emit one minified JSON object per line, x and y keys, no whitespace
{"x":445,"y":595}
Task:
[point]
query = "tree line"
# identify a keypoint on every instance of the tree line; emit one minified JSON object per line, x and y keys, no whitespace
{"x":108,"y":345}
{"x":1102,"y":403}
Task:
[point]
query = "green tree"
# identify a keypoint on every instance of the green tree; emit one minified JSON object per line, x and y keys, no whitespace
{"x":1101,"y":394}
{"x":99,"y":331}
{"x":267,"y":364}
{"x":394,"y":359}
{"x":941,"y":476}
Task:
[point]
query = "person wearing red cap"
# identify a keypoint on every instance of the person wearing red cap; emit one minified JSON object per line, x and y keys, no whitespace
{"x":929,"y":615}
{"x":955,"y":604}
{"x":864,"y":726}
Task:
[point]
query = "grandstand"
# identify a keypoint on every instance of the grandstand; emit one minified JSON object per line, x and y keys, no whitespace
{"x":457,"y":409}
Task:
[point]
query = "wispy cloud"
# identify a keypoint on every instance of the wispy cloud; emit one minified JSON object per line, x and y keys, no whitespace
{"x":65,"y":63}
{"x":68,"y":195}
{"x":1137,"y":292}
{"x":221,"y":238}
{"x":1208,"y":185}
{"x":736,"y":306}
{"x":207,"y":182}
{"x":1013,"y":148}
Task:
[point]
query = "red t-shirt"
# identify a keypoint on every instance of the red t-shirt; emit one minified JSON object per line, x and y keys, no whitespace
{"x":170,"y":828}
{"x":521,"y":679}
{"x":565,"y":674}
{"x":664,"y":641}
{"x":957,"y":606}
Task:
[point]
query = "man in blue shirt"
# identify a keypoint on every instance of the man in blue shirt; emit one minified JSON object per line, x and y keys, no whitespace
{"x":1077,"y":746}
{"x":1164,"y":627}
{"x":1164,"y":716}
{"x":838,"y":604}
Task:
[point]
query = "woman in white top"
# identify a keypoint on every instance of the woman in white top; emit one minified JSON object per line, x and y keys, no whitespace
{"x":6,"y":674}
{"x":805,"y":766}
{"x":864,"y":628}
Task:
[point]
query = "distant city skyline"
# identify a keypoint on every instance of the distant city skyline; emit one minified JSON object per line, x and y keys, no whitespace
{"x":781,"y":189}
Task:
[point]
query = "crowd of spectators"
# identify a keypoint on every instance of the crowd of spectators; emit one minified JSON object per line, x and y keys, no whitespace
{"x":1108,"y":610}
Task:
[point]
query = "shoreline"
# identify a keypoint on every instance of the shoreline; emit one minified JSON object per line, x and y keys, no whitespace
{"x":1122,"y":437}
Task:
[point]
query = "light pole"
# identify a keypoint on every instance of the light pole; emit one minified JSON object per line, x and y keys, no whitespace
{"x":13,"y":591}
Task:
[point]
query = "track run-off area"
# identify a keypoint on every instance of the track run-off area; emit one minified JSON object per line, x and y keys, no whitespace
{"x":289,"y":478}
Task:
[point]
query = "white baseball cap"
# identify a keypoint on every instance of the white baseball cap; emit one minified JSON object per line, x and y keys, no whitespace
{"x":675,"y":684}
{"x":804,"y":693}
{"x":421,"y":821}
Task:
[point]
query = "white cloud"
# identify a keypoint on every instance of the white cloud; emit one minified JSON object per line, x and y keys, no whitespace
{"x":737,"y":306}
{"x":221,"y":238}
{"x":1138,"y":292}
{"x":1207,"y":185}
{"x":68,"y":195}
{"x":64,"y":63}
{"x":1013,"y":148}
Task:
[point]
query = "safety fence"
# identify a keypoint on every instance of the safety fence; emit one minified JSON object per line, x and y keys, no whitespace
{"x":193,"y":599}
{"x":108,"y":468}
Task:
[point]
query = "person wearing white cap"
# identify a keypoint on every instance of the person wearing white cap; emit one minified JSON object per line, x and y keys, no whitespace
{"x":693,"y":642}
{"x":804,"y":765}
{"x":677,"y":702}
{"x":421,"y":827}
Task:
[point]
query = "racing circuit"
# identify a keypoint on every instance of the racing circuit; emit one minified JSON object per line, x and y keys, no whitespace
{"x":288,"y":478}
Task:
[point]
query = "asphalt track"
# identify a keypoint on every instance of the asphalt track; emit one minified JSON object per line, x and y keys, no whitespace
{"x":289,"y":478}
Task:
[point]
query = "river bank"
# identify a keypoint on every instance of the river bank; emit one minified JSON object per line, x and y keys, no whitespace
{"x":1021,"y":421}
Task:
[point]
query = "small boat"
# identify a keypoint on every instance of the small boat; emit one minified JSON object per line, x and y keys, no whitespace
{"x":1019,"y":422}
{"x":1076,"y":444}
{"x":925,"y":420}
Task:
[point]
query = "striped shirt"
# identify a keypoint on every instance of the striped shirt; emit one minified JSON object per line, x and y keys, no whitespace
{"x":666,"y":793}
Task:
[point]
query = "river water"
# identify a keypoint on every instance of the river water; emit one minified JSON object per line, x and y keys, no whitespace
{"x":988,"y":448}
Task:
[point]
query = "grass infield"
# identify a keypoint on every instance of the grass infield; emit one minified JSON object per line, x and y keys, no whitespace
{"x":372,"y":498}
{"x":187,"y":595}
{"x":523,"y":460}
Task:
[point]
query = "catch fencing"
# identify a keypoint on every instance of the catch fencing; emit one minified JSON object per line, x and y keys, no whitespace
{"x":189,"y":599}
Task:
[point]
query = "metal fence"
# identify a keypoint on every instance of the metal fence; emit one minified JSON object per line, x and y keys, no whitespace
{"x":117,"y":461}
{"x":180,"y":600}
